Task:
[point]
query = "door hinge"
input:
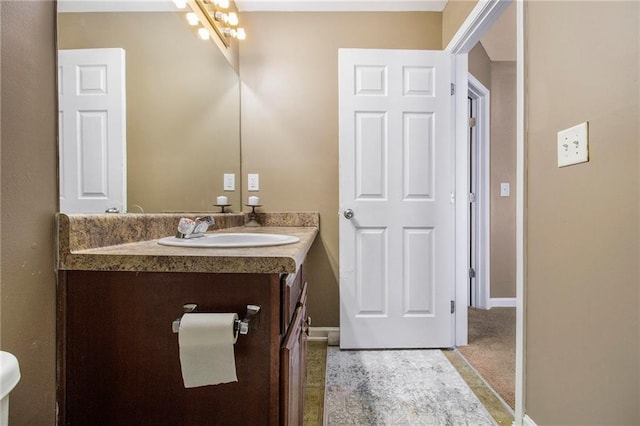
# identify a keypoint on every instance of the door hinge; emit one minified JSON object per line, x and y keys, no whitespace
{"x":472,"y":273}
{"x":472,"y":197}
{"x":453,"y":89}
{"x":453,"y":198}
{"x":472,"y":122}
{"x":453,"y":306}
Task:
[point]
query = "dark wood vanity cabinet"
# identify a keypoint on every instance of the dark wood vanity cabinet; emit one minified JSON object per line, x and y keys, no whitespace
{"x":118,"y":358}
{"x":293,"y":367}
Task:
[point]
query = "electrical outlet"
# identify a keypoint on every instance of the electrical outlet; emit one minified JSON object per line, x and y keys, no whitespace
{"x":229,"y":182}
{"x":573,"y":145}
{"x":505,"y":189}
{"x":253,"y":182}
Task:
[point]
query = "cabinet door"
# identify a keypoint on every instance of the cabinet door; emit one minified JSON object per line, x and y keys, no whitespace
{"x":293,"y":369}
{"x":121,"y":361}
{"x":291,"y":296}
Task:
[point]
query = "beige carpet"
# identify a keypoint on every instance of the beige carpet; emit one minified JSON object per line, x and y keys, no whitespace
{"x":491,"y":349}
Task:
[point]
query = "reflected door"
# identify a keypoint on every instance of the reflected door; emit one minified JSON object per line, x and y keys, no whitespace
{"x":92,"y":137}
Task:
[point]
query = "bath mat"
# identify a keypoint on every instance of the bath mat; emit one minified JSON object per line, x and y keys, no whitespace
{"x":398,"y":387}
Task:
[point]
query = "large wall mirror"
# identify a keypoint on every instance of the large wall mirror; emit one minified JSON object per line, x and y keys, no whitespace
{"x":182,"y":107}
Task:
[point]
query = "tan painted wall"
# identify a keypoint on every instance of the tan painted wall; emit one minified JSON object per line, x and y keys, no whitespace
{"x":480,"y":65}
{"x":582,"y":337}
{"x":183,"y":107}
{"x":289,"y":73}
{"x":28,"y":204}
{"x":453,"y":15}
{"x":503,"y":169}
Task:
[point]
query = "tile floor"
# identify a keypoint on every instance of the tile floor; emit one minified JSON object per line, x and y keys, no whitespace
{"x":314,"y":395}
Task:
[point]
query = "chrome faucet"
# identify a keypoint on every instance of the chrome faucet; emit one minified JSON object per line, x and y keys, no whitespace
{"x":188,"y":228}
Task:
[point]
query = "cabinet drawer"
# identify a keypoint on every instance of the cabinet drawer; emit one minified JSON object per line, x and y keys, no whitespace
{"x":291,"y":290}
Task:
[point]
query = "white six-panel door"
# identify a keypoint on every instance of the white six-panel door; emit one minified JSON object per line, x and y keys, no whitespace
{"x":91,"y":94}
{"x":396,"y":207}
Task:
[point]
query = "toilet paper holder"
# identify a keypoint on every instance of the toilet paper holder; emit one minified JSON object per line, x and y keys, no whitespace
{"x":251,"y":319}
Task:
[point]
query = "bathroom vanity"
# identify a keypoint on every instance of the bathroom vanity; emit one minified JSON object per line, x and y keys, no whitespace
{"x":119,"y":294}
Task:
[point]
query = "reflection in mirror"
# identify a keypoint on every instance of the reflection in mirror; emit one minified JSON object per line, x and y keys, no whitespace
{"x":182,"y":107}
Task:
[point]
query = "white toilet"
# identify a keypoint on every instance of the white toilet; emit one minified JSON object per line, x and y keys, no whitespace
{"x":9,"y":378}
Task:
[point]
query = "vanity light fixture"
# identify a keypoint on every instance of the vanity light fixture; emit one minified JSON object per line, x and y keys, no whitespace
{"x":235,"y":33}
{"x":224,"y":4}
{"x":203,"y":33}
{"x":192,"y":18}
{"x":232,"y":18}
{"x":214,"y":18}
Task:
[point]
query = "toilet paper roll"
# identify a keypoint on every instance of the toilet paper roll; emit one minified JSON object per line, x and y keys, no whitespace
{"x":206,"y":349}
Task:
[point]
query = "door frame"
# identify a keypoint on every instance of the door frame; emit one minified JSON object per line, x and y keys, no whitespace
{"x":484,"y":14}
{"x":478,"y":92}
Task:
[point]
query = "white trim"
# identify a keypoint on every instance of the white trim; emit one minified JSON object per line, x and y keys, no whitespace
{"x":331,"y":335}
{"x":483,"y":279}
{"x":477,"y":23}
{"x":472,"y":29}
{"x":462,"y":245}
{"x":503,"y":302}
{"x":78,"y":6}
{"x":485,"y":13}
{"x":340,"y":5}
{"x":520,"y":225}
{"x":528,"y":421}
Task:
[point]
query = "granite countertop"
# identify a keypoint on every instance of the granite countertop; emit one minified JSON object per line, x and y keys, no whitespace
{"x":146,"y":255}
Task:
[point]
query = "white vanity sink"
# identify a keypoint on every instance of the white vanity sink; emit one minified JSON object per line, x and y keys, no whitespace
{"x":230,"y":240}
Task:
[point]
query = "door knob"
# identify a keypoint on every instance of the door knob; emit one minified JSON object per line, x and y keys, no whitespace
{"x":348,"y":213}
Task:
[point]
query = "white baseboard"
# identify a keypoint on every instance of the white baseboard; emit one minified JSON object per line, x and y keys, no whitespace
{"x":503,"y":302}
{"x":331,"y":335}
{"x":527,"y":421}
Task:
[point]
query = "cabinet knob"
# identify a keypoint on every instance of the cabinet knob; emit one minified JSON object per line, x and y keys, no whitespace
{"x":307,"y":324}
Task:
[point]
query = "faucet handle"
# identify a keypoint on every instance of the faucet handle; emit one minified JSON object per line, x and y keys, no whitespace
{"x":203,"y":223}
{"x":186,"y":226}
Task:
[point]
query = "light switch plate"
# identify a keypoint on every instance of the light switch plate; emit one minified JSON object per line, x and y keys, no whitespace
{"x":229,"y":182}
{"x":573,"y":145}
{"x":253,"y":182}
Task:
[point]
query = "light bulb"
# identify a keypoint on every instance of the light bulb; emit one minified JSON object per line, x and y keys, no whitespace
{"x":240,"y":34}
{"x":180,"y":4}
{"x":232,"y":18}
{"x":223,"y":3}
{"x":203,"y":33}
{"x":192,"y":18}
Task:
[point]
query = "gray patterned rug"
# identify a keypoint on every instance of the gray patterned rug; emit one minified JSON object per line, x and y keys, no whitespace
{"x":398,"y":387}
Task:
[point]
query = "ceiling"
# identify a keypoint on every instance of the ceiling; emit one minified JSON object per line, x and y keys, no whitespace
{"x":340,"y":5}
